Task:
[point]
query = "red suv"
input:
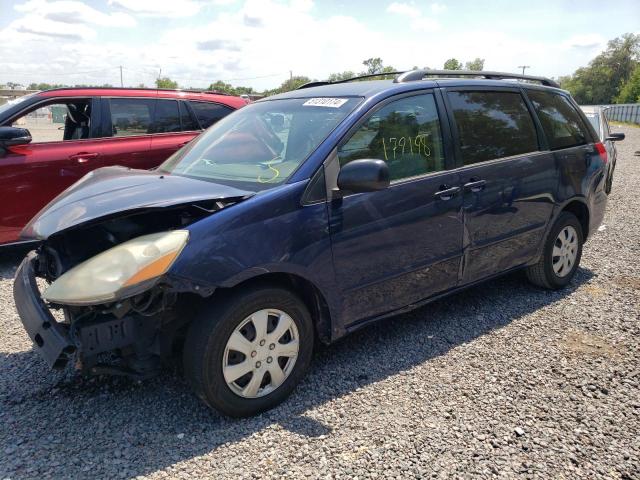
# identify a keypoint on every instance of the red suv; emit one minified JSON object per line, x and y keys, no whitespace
{"x":50,"y":139}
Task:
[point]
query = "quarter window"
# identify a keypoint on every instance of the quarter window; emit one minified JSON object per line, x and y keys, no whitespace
{"x":560,"y":121}
{"x":209,"y":113}
{"x":405,"y":134}
{"x":492,"y":125}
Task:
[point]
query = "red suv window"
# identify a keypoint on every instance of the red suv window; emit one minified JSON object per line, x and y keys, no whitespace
{"x":209,"y":113}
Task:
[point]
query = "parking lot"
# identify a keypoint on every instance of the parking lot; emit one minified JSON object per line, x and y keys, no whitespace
{"x":501,"y":380}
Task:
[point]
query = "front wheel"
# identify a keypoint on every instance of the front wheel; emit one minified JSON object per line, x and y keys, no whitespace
{"x":245,"y":354}
{"x":561,"y":255}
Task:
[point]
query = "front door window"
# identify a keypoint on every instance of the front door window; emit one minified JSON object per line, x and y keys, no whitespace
{"x":57,"y":122}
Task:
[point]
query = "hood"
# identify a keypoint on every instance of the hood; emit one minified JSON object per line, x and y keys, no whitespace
{"x":114,"y":190}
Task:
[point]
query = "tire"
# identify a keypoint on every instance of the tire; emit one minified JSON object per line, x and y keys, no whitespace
{"x":208,"y":354}
{"x":543,"y":273}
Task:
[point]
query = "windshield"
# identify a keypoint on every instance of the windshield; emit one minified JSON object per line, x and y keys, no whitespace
{"x":262,"y":144}
{"x":12,"y":103}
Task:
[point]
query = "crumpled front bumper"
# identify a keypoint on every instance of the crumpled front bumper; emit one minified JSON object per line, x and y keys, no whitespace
{"x":50,"y":337}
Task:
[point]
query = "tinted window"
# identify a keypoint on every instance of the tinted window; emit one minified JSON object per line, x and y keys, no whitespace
{"x":209,"y":113}
{"x":492,"y":125}
{"x":405,"y":134}
{"x":166,"y":118}
{"x":188,"y":121}
{"x":131,"y":116}
{"x":560,"y":121}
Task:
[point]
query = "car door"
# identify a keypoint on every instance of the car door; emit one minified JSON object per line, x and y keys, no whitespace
{"x":173,"y":127}
{"x":508,"y":182}
{"x":60,"y":153}
{"x":570,"y":141}
{"x":400,"y":245}
{"x":126,"y":132}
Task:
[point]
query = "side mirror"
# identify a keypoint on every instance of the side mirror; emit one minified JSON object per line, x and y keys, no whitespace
{"x":10,"y":136}
{"x":365,"y":175}
{"x":615,"y":137}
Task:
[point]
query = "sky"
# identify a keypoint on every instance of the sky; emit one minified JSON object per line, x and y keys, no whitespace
{"x":260,"y":43}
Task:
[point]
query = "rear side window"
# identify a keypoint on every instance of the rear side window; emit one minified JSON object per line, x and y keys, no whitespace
{"x":404,"y":133}
{"x":131,"y":116}
{"x":560,"y":121}
{"x":492,"y":125}
{"x":209,"y":113}
{"x":166,"y":118}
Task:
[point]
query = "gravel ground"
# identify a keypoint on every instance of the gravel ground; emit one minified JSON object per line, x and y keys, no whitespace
{"x":503,"y":380}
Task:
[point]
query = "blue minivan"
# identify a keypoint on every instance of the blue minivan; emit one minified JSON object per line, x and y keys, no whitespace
{"x":305,"y":216}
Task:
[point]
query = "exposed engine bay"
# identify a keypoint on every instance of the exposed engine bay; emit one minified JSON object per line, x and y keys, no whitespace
{"x":131,"y":336}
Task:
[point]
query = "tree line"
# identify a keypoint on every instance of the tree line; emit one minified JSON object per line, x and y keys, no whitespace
{"x":613,"y":76}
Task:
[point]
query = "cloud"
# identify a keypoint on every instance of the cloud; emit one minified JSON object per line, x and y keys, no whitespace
{"x":438,"y":8}
{"x":403,"y":9}
{"x":251,"y":21}
{"x":425,"y":24}
{"x":218,"y":44}
{"x":74,"y":12}
{"x":418,"y":21}
{"x":69,"y":36}
{"x":589,"y":41}
{"x":160,"y":8}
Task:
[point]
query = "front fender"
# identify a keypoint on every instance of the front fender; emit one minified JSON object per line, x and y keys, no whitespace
{"x":271,"y":232}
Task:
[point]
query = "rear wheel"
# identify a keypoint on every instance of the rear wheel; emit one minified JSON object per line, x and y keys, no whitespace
{"x":561,"y":256}
{"x":245,"y":354}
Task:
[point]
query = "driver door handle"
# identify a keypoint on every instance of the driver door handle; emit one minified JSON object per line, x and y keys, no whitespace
{"x":475,"y":186}
{"x":83,"y":157}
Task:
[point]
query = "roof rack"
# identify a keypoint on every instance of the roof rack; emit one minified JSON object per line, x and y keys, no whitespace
{"x":359,"y":77}
{"x":188,"y":90}
{"x":415,"y":75}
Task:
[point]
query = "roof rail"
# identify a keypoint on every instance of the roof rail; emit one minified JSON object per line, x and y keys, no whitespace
{"x":414,"y":75}
{"x":359,"y":77}
{"x":151,"y":89}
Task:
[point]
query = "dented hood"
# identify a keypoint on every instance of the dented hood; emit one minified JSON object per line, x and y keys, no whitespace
{"x":113,"y":190}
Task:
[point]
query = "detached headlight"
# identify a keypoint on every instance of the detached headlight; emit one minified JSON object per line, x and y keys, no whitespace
{"x":117,"y":271}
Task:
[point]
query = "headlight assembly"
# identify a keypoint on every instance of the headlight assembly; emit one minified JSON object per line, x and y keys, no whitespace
{"x":120,"y":271}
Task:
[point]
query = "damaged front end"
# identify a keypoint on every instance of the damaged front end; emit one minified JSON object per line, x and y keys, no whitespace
{"x":97,"y":291}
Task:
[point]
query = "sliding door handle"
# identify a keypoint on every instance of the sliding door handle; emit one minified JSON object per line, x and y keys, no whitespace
{"x":446,"y":192}
{"x":475,"y":186}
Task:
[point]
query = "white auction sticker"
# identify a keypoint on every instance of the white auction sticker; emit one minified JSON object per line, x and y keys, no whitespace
{"x":325,"y":102}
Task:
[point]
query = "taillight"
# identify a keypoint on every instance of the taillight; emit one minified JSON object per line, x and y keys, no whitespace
{"x":602,"y":151}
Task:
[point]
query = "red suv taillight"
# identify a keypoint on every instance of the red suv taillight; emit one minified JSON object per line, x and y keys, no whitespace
{"x":602,"y":151}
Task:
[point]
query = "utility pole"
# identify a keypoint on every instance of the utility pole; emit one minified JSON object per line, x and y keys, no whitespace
{"x":121,"y":84}
{"x":523,"y":67}
{"x":290,"y":75}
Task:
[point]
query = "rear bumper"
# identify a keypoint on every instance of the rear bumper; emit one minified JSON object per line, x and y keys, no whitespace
{"x":50,"y":337}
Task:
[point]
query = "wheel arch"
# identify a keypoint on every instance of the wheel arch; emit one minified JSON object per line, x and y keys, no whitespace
{"x":309,"y":293}
{"x":580,"y":209}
